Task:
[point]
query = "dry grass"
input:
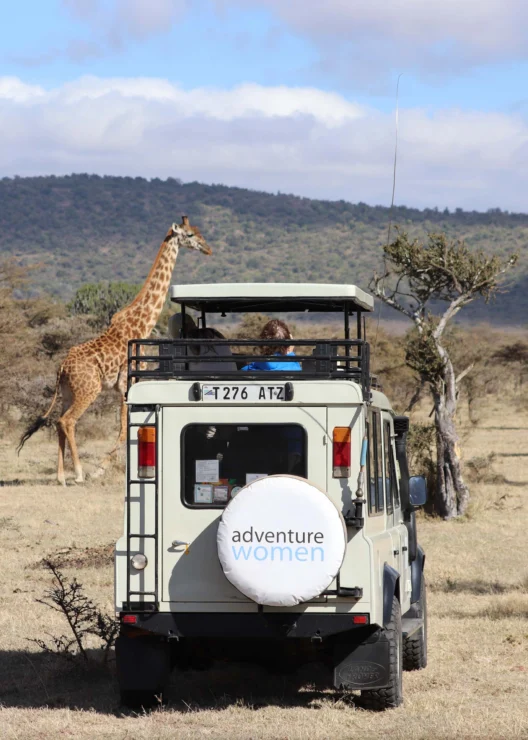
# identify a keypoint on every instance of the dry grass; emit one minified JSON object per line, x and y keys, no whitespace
{"x":475,"y":685}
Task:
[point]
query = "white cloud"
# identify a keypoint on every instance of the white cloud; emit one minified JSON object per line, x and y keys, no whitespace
{"x":480,"y":24}
{"x":116,"y":20}
{"x":361,"y":40}
{"x":13,"y":89}
{"x":142,"y":19}
{"x":225,"y":105}
{"x":298,"y":140}
{"x":424,"y":35}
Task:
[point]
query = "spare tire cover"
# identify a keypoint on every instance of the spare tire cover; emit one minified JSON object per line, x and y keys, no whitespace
{"x":281,"y":541}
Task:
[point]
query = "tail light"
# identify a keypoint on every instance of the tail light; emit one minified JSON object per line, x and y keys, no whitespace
{"x":146,"y":452}
{"x":341,"y":452}
{"x":360,"y":619}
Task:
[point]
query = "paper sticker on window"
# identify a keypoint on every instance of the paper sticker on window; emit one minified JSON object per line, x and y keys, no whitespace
{"x":203,"y":494}
{"x":207,"y":471}
{"x":250,"y":477}
{"x":220,"y":494}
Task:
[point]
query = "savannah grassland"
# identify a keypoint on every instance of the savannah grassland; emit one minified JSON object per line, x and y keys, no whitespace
{"x":476,"y":684}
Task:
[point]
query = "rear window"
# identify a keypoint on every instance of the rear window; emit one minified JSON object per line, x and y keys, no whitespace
{"x":218,"y":460}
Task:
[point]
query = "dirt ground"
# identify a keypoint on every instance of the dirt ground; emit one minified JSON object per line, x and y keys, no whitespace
{"x":476,"y":684}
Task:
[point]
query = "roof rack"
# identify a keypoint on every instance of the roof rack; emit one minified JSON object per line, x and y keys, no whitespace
{"x":270,"y":297}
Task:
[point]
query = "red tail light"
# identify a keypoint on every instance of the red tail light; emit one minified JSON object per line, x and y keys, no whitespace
{"x":360,"y":619}
{"x":341,"y":452}
{"x":146,"y":452}
{"x":129,"y":619}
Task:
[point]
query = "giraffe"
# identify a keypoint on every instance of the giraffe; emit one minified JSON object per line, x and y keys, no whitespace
{"x":101,"y":362}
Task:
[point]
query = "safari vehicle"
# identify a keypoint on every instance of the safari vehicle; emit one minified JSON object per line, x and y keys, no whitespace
{"x":269,"y":516}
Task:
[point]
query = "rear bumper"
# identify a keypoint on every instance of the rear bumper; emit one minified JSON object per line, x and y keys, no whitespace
{"x":358,"y":655}
{"x":262,"y":625}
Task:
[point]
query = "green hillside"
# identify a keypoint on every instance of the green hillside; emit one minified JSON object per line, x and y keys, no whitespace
{"x":86,"y":228}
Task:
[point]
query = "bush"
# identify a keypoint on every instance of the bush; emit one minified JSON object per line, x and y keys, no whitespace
{"x":83,"y":618}
{"x":100,"y":301}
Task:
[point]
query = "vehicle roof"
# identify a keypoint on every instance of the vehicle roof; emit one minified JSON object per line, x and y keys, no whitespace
{"x":245,"y":297}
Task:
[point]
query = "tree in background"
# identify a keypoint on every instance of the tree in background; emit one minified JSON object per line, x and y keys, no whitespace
{"x":418,"y":275}
{"x":102,"y":300}
{"x":34,"y":330}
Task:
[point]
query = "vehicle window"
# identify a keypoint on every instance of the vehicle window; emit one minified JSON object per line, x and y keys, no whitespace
{"x":375,"y":464}
{"x":379,"y":461}
{"x":219,"y":459}
{"x":389,"y":471}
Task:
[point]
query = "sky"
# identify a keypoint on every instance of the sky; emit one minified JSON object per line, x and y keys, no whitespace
{"x":296,"y":96}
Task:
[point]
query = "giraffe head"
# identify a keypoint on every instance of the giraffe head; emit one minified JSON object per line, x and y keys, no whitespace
{"x":185,"y":235}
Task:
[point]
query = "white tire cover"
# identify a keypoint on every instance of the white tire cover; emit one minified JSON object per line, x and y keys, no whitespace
{"x":281,"y":541}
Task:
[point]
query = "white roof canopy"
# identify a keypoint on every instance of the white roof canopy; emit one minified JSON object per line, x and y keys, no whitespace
{"x":228,"y":297}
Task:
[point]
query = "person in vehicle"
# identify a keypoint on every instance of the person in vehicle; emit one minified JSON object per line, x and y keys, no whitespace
{"x":175,"y":325}
{"x":208,"y":350}
{"x":200,"y":351}
{"x":275,"y":329}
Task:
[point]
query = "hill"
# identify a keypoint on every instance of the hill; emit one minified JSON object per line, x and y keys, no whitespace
{"x":86,"y":228}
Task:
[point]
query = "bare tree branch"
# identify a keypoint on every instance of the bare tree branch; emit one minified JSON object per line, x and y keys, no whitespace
{"x":464,"y":372}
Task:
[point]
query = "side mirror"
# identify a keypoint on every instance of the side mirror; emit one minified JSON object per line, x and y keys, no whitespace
{"x":417,"y":490}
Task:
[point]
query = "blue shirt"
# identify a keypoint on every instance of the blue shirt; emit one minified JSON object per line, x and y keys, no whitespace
{"x":285,"y":367}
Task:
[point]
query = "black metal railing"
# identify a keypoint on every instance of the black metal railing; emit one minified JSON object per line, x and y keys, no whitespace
{"x":224,"y":359}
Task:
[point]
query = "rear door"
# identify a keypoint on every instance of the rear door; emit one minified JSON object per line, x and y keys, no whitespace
{"x":207,"y":453}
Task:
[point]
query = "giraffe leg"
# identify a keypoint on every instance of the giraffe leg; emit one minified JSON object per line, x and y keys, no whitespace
{"x":121,"y":388}
{"x":61,"y":478}
{"x":66,"y":403}
{"x":122,"y":437}
{"x":67,"y":422}
{"x":123,"y":418}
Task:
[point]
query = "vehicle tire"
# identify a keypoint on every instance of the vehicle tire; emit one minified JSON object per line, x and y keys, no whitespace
{"x":392,"y":695}
{"x":141,"y":699}
{"x":415,"y":647}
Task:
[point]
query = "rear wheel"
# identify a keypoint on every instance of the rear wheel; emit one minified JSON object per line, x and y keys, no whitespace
{"x":415,"y":646}
{"x":392,"y":695}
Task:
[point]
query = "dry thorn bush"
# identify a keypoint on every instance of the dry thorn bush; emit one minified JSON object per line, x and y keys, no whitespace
{"x":83,"y":617}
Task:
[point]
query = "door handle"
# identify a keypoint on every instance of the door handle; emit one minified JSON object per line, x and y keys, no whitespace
{"x":181,"y":543}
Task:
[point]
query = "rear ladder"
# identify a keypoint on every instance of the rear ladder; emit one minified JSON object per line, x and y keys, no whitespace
{"x":142,"y":606}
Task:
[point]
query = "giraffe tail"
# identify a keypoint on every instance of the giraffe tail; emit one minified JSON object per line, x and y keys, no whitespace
{"x":42,"y":421}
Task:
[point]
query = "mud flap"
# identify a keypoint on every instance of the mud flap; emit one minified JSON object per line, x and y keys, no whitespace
{"x":143,"y":663}
{"x":364,"y":667}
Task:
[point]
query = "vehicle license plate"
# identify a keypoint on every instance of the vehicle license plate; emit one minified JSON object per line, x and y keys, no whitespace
{"x":249,"y":393}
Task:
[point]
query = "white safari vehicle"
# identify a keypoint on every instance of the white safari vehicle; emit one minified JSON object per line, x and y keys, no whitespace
{"x":269,"y":515}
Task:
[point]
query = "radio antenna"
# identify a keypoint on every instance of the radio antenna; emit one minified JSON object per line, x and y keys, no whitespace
{"x":394,"y":169}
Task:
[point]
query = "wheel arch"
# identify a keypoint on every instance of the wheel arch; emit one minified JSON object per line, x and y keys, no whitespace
{"x":391,"y":587}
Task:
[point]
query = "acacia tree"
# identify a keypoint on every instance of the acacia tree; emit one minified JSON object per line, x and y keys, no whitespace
{"x":416,"y":276}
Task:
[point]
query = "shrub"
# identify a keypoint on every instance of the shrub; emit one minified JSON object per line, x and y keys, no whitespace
{"x":83,"y":617}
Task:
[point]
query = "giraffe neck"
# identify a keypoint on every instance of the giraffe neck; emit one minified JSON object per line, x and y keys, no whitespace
{"x":139,"y":317}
